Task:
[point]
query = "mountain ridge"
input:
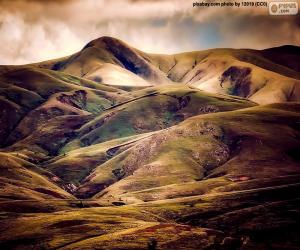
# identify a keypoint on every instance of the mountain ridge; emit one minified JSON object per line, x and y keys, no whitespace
{"x":113,"y":62}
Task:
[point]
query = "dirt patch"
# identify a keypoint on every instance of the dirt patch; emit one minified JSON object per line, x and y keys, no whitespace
{"x":77,"y":100}
{"x":208,"y":109}
{"x":142,"y":152}
{"x":239,"y":78}
{"x":118,"y":173}
{"x":89,"y":191}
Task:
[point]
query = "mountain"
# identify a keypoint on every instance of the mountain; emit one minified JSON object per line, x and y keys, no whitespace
{"x":114,"y":148}
{"x":266,"y":76}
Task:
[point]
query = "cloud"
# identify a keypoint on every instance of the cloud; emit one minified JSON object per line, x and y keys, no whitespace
{"x":33,"y":30}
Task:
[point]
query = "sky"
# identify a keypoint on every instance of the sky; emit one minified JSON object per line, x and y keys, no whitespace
{"x":37,"y":30}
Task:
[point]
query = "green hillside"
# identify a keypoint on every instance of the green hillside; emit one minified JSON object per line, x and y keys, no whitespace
{"x":114,"y":148}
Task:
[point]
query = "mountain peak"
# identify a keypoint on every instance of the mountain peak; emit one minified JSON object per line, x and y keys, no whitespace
{"x":105,"y":41}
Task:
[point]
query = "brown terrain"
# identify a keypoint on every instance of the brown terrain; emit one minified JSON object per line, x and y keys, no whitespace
{"x":114,"y":148}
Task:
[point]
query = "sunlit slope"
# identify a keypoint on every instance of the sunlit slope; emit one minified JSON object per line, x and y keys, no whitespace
{"x":30,"y":96}
{"x":148,"y":111}
{"x":264,"y":76}
{"x":40,"y":109}
{"x":237,"y":143}
{"x":242,"y":79}
{"x":72,"y":116}
{"x":244,"y":73}
{"x":154,"y":109}
{"x":111,"y":61}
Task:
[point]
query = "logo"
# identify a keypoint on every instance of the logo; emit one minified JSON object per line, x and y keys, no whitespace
{"x":283,"y":8}
{"x":274,"y":8}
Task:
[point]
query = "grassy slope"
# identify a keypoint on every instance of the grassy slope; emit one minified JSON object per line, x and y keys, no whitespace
{"x":248,"y":197}
{"x":154,"y":109}
{"x":197,"y":170}
{"x":39,"y":94}
{"x":22,"y":180}
{"x":266,"y":82}
{"x":40,"y":110}
{"x":224,"y":145}
{"x":111,"y":61}
{"x":57,"y":109}
{"x":162,"y":108}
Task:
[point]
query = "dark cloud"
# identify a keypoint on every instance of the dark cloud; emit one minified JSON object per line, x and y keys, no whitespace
{"x":35,"y":30}
{"x":248,"y":30}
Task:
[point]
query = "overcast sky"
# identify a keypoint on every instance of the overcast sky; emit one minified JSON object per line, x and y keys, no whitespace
{"x":32,"y":30}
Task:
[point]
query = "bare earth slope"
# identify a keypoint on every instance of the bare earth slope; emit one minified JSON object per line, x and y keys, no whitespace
{"x":113,"y":148}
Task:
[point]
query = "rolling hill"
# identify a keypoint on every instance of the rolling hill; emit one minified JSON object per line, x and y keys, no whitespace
{"x":114,"y":148}
{"x":266,"y":76}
